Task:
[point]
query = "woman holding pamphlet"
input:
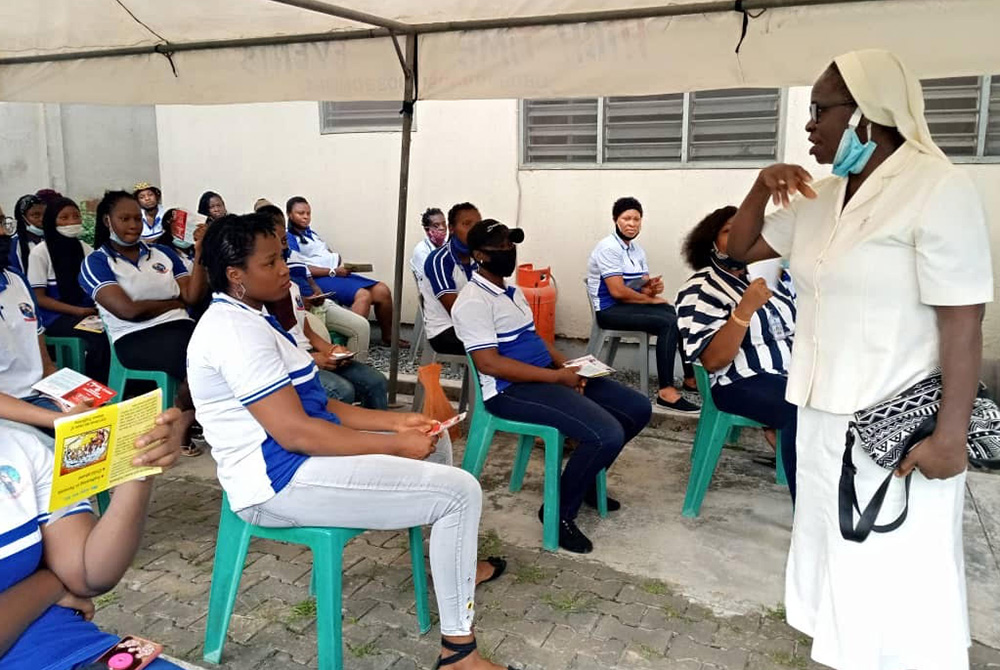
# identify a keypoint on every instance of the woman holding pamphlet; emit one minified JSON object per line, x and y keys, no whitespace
{"x":333,"y":276}
{"x":53,"y":562}
{"x":289,"y":456}
{"x":63,"y":308}
{"x":182,"y":231}
{"x":524,"y":378}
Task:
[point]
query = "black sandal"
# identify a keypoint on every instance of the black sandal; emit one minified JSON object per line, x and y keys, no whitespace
{"x":499,"y":566}
{"x":462,"y":650}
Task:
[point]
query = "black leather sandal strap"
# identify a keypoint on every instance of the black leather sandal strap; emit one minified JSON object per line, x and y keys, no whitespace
{"x":461,"y":649}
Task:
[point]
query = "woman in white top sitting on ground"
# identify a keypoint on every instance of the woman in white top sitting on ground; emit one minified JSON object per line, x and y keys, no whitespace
{"x":288,"y":456}
{"x":891,"y":260}
{"x":740,"y":331}
{"x":326,"y":267}
{"x":53,"y":268}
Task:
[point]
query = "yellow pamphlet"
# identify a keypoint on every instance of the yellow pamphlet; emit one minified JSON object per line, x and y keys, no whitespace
{"x":94,"y":450}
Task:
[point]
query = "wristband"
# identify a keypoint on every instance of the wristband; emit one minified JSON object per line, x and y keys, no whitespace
{"x":739,"y":321}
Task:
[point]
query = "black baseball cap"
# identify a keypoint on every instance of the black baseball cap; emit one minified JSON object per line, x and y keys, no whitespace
{"x":490,"y":232}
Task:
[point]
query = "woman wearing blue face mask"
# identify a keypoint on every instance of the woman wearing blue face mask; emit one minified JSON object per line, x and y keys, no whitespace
{"x":53,"y":267}
{"x":891,"y":261}
{"x":28,"y":214}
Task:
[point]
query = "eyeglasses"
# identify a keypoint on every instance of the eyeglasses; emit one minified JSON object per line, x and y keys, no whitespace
{"x":815,"y":109}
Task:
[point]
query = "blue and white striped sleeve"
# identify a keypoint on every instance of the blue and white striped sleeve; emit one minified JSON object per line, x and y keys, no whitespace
{"x":252,"y":365}
{"x":609,"y":261}
{"x":700,"y":314}
{"x":474,"y":325}
{"x":96,"y":273}
{"x":439,"y":269}
{"x":176,"y":264}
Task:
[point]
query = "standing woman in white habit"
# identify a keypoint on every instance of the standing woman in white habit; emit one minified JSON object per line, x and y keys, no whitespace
{"x":891,"y":260}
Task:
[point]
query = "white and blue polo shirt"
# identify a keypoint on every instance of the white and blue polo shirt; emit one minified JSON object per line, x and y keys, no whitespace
{"x":20,"y":357}
{"x":423,"y":249}
{"x":59,"y":638}
{"x":42,"y":274}
{"x":152,"y":230}
{"x":706,"y":302}
{"x":239,"y":356}
{"x":489,"y":317}
{"x":613,"y":257}
{"x":444,"y":273}
{"x":312,"y":249}
{"x":153,"y":277}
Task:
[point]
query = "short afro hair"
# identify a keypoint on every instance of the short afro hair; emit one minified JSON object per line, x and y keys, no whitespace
{"x":623,"y":205}
{"x":697,"y":250}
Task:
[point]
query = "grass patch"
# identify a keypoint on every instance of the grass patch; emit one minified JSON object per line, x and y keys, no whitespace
{"x":306,"y":608}
{"x":568,"y":604}
{"x":649,"y":653}
{"x":362,"y":650}
{"x":490,"y":544}
{"x":787,"y":660}
{"x":655,"y":587}
{"x":776,"y":613}
{"x":530,"y":574}
{"x":105,"y":599}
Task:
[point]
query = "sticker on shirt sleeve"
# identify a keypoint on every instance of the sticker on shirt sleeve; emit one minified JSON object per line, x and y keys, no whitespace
{"x":27,"y":311}
{"x":160,"y":267}
{"x":11,"y":483}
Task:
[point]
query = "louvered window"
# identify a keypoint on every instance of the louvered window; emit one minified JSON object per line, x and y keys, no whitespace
{"x":740,"y":126}
{"x":964,"y":116}
{"x":560,"y":131}
{"x":360,"y":117}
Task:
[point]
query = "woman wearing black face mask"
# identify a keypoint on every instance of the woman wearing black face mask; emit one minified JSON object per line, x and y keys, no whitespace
{"x":740,"y":331}
{"x":625,"y":297}
{"x":523,"y":378}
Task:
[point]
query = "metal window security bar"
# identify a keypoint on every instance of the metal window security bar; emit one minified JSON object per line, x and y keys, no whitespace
{"x":729,"y":127}
{"x":964,"y":116}
{"x":360,"y":117}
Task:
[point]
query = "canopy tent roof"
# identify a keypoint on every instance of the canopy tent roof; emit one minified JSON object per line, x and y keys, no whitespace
{"x":223,"y":51}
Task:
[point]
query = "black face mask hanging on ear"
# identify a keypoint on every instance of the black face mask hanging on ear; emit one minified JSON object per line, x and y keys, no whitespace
{"x":627,"y":238}
{"x":501,"y":263}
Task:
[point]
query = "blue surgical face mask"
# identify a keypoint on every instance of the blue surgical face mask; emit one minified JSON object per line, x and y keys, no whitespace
{"x":183,"y":244}
{"x":727,"y":262}
{"x":852,"y":156}
{"x":119,"y":241}
{"x":458,"y":246}
{"x":35,"y":230}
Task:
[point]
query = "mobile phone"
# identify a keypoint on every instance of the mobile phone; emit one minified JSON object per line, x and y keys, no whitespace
{"x":131,"y":653}
{"x":339,"y":356}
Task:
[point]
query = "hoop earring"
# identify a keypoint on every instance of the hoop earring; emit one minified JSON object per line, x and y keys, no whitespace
{"x":242,"y":291}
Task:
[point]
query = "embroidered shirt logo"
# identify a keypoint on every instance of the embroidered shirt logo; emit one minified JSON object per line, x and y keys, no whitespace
{"x":160,"y":267}
{"x":10,"y":481}
{"x":27,"y":311}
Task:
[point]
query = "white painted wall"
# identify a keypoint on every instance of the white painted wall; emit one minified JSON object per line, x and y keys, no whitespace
{"x":463,"y":150}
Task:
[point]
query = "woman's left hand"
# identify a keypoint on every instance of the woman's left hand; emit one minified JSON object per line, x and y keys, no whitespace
{"x":161,"y":447}
{"x":937,"y":457}
{"x":413,"y":421}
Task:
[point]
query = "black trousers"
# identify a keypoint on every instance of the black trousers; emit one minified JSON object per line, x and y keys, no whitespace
{"x":447,"y":343}
{"x":659,"y":320}
{"x":98,"y":352}
{"x":162,"y":348}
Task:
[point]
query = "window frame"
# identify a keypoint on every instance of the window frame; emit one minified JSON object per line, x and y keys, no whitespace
{"x":362,"y":129}
{"x":985,"y":87}
{"x":683,"y":164}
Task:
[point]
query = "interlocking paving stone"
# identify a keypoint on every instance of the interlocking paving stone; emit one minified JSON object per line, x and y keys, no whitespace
{"x":551,"y":611}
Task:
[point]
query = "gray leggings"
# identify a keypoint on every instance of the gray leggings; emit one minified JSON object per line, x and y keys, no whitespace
{"x":390,"y":493}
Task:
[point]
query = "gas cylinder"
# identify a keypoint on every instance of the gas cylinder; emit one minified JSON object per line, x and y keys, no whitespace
{"x":539,"y":287}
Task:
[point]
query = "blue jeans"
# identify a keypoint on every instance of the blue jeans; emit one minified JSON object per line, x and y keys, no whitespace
{"x":357,"y":382}
{"x":603,"y":420}
{"x":659,"y":320}
{"x":761,"y":398}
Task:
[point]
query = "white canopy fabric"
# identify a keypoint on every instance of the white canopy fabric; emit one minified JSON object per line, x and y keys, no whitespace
{"x":785,"y":46}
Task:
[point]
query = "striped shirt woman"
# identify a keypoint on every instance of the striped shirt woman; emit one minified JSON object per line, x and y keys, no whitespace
{"x":740,"y":331}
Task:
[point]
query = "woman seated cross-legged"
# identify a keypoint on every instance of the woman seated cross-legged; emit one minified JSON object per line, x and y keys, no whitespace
{"x":523,"y":378}
{"x":289,"y":456}
{"x":741,"y":332}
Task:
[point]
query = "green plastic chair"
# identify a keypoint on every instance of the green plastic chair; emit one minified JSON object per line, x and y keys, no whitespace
{"x":484,"y":425}
{"x":715,"y":429}
{"x":69,"y":352}
{"x":118,"y":379}
{"x":327,"y":545}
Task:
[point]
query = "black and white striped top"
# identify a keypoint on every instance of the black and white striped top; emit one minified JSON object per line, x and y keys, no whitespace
{"x":705,"y":303}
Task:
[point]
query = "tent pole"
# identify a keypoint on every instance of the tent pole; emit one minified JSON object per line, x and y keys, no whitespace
{"x":347,"y":13}
{"x":409,"y":70}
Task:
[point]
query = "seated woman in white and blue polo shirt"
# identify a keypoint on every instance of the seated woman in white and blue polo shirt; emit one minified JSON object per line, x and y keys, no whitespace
{"x":523,"y":378}
{"x":625,"y":297}
{"x":53,"y":267}
{"x":359,"y":293}
{"x":741,"y":332}
{"x":52,"y":564}
{"x":446,"y":270}
{"x":288,"y":456}
{"x":142,"y":291}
